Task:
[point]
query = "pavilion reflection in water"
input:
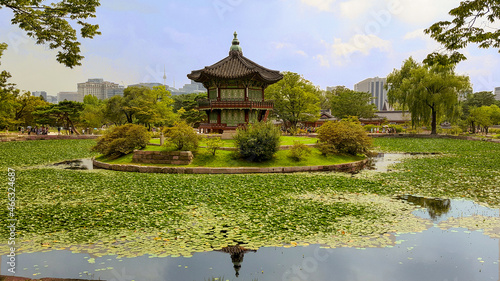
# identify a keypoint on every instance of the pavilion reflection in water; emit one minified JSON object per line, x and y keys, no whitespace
{"x":237,"y":253}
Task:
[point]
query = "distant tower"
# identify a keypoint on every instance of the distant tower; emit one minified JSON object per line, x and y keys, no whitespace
{"x":164,"y":77}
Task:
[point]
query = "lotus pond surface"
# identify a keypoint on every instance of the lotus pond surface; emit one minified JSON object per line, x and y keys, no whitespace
{"x":425,"y":217}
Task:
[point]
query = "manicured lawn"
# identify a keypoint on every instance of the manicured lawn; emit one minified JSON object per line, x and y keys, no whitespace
{"x":222,"y":158}
{"x":132,"y":214}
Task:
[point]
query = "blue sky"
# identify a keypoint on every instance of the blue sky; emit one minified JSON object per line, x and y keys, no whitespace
{"x":329,"y":42}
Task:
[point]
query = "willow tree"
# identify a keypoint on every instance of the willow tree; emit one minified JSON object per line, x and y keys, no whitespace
{"x":427,"y":91}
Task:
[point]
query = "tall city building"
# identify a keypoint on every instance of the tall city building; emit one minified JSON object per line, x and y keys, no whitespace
{"x":69,"y":96}
{"x":375,"y":86}
{"x":42,"y":94}
{"x":497,"y":93}
{"x":100,"y":88}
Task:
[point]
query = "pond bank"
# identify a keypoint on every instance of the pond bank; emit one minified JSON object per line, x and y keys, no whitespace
{"x":346,"y":167}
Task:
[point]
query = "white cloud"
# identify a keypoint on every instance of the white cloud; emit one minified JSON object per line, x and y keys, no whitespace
{"x":281,"y":45}
{"x":323,"y":61}
{"x":302,"y":53}
{"x":355,"y":9}
{"x":340,"y":52}
{"x":322,"y":5}
{"x":417,"y":34}
{"x":425,"y":12}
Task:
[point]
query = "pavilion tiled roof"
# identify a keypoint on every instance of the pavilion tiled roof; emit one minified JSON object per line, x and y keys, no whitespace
{"x":236,"y":66}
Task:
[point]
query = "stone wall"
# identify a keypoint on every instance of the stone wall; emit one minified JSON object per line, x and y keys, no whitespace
{"x":163,"y":157}
{"x":347,"y":167}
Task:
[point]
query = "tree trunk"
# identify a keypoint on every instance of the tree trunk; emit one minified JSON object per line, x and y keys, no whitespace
{"x":433,"y":121}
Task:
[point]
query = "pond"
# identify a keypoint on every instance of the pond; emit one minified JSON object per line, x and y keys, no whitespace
{"x":461,"y":243}
{"x":79,"y":164}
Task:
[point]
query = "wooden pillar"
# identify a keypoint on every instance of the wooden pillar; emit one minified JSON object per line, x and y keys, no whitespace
{"x":247,"y":115}
{"x":262,"y":93}
{"x":218,"y":93}
{"x":246,"y":94}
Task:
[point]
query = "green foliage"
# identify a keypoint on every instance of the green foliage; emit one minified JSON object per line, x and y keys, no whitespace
{"x":428,"y":92}
{"x":343,"y":137}
{"x":455,"y":131}
{"x":182,"y":136}
{"x":295,"y":99}
{"x":397,"y":128}
{"x":484,"y":116}
{"x":65,"y":113}
{"x":351,"y":103}
{"x":369,"y":128}
{"x":93,"y":112}
{"x":145,"y":106}
{"x":258,"y":142}
{"x":51,"y":25}
{"x":214,"y":143}
{"x":113,"y":111}
{"x":122,"y":140}
{"x":299,"y":151}
{"x":471,"y":24}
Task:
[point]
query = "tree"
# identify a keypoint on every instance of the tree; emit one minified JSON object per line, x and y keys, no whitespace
{"x":428,"y":91}
{"x":484,"y":116}
{"x":8,"y":95}
{"x":146,"y":106}
{"x":295,"y":99}
{"x":185,"y":105}
{"x":113,"y":111}
{"x":53,"y":24}
{"x":473,"y":22}
{"x":351,"y":103}
{"x":325,"y":97}
{"x":24,"y":106}
{"x":65,"y":113}
{"x":182,"y":136}
{"x":93,"y":112}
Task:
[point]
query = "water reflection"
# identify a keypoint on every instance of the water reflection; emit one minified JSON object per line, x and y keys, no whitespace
{"x":237,"y":253}
{"x":80,"y":164}
{"x":436,"y":207}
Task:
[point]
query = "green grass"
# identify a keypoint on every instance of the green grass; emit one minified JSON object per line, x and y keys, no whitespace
{"x":222,"y":158}
{"x":132,"y":214}
{"x":285,"y":140}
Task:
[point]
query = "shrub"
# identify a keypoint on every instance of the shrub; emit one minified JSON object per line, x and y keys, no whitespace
{"x":122,"y":140}
{"x":182,"y":136}
{"x":455,"y":130}
{"x":494,"y":131}
{"x":258,"y":142}
{"x":298,"y":151}
{"x":396,"y":128}
{"x":214,"y":143}
{"x":369,"y":128}
{"x":345,"y":137}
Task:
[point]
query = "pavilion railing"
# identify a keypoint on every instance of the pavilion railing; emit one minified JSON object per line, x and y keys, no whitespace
{"x":234,"y":103}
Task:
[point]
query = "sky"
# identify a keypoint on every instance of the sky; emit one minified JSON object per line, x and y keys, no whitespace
{"x":329,"y":42}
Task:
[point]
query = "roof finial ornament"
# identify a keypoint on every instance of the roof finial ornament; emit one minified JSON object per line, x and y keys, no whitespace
{"x":236,"y":44}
